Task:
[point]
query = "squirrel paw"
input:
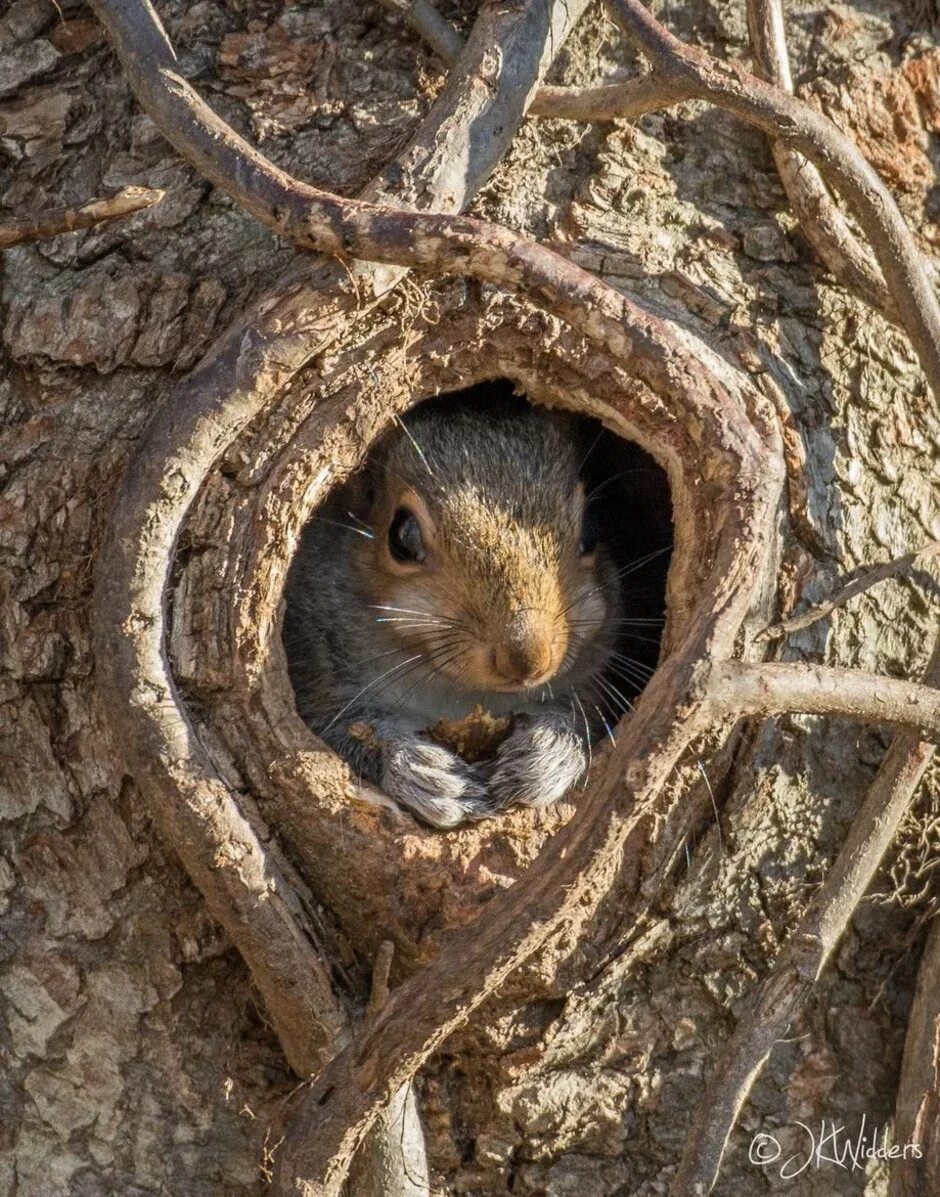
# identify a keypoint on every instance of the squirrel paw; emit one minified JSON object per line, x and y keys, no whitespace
{"x":432,"y":782}
{"x":537,"y":764}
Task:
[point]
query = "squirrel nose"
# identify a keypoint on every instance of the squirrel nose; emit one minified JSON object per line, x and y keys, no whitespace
{"x":524,"y":657}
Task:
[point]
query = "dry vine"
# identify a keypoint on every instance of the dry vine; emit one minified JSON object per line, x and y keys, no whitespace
{"x":713,"y":434}
{"x":53,"y":221}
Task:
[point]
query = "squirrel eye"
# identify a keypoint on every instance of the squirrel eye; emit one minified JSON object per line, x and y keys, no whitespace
{"x":405,"y":542}
{"x":589,"y":534}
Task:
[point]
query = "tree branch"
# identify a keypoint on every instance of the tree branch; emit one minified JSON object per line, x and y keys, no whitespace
{"x":800,"y":128}
{"x":865,"y":581}
{"x":820,"y":218}
{"x":318,"y":220}
{"x":52,"y":221}
{"x":746,"y":691}
{"x":625,"y":100}
{"x":803,"y":957}
{"x":422,"y":1012}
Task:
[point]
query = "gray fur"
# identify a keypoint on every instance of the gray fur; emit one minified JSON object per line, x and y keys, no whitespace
{"x":539,"y":762}
{"x":348,"y":663}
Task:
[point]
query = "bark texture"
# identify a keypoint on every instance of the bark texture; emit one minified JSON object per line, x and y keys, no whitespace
{"x":137,"y":1057}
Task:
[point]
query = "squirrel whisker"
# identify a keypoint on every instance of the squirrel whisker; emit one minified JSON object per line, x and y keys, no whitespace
{"x":594,"y":443}
{"x":641,"y":666}
{"x":605,"y":702}
{"x":609,"y":688}
{"x":627,"y":622}
{"x":587,"y":730}
{"x":402,"y":611}
{"x":600,"y":715}
{"x":444,"y":644}
{"x":406,"y":625}
{"x":369,"y":535}
{"x":465,"y":510}
{"x":413,"y":668}
{"x":417,"y":448}
{"x":636,"y":681}
{"x":575,"y":625}
{"x":368,"y":687}
{"x":352,"y":515}
{"x":615,"y":478}
{"x":432,"y":670}
{"x":372,"y":657}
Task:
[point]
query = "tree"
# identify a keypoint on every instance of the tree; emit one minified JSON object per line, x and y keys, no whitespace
{"x":587,"y":997}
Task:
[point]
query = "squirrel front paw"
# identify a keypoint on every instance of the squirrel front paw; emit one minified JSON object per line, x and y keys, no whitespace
{"x":538,"y":763}
{"x":431,"y":782}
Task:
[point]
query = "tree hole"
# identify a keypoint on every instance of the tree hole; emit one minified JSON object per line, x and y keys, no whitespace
{"x":480,"y":602}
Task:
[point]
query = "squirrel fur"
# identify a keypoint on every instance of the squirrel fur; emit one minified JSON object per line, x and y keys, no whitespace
{"x":457,"y":569}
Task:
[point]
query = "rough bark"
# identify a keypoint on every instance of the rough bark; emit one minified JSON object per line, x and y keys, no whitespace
{"x":114,"y":976}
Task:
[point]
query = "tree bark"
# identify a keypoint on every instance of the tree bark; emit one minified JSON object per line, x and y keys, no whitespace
{"x":139,"y":1053}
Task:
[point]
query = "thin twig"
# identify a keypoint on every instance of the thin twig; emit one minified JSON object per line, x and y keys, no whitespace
{"x":865,"y":581}
{"x":743,"y":690}
{"x":802,"y":958}
{"x":52,"y":221}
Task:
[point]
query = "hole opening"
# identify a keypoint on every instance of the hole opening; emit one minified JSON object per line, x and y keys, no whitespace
{"x":395,"y":613}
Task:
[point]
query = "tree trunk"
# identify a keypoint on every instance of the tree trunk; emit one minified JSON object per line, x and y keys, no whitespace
{"x":139,"y":1055}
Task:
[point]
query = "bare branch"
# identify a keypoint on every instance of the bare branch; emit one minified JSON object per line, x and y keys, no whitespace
{"x":52,"y":221}
{"x":803,"y":957}
{"x":318,"y":220}
{"x":800,"y":128}
{"x":865,"y":581}
{"x":773,"y":688}
{"x":625,"y":100}
{"x":820,"y":217}
{"x":422,"y":1012}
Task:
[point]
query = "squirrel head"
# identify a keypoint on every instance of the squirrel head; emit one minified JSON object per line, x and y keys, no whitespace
{"x":482,"y":557}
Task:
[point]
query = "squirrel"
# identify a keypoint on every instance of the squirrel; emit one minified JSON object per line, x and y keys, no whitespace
{"x":461,"y":567}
